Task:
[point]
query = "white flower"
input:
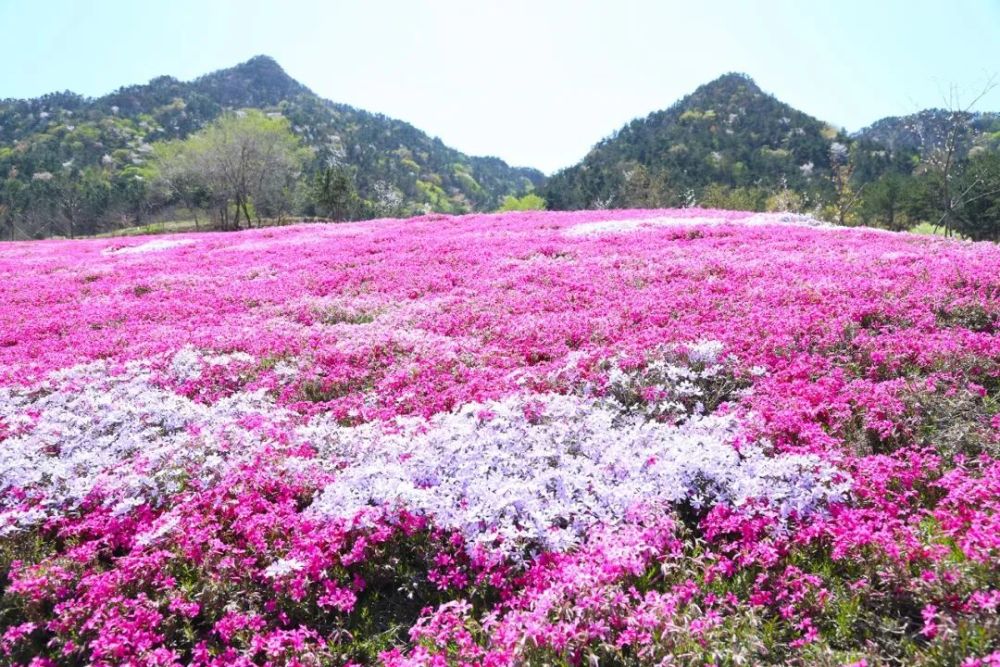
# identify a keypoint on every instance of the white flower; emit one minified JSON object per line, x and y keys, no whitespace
{"x":704,"y":352}
{"x":283,"y":567}
{"x":119,"y":435}
{"x":165,"y":526}
{"x":149,"y":246}
{"x":510,"y":482}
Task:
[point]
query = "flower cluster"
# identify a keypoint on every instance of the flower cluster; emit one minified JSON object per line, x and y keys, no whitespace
{"x":539,"y":471}
{"x":88,"y":435}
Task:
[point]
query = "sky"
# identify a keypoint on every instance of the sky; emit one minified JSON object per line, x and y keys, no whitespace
{"x":535,"y":83}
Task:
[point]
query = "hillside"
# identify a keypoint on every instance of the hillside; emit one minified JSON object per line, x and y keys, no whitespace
{"x":391,"y":160}
{"x":727,"y":132}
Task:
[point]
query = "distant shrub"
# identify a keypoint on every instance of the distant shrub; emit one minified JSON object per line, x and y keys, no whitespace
{"x":529,"y":202}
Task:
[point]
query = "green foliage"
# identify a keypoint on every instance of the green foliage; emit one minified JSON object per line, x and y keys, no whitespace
{"x":927,"y":131}
{"x":70,"y":165}
{"x":785,"y":200}
{"x":883,"y":200}
{"x":242,"y":164}
{"x":979,"y":217}
{"x":735,"y":199}
{"x":335,"y":194}
{"x":529,"y":202}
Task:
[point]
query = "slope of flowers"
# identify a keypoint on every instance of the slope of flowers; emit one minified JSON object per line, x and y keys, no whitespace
{"x":607,"y":437}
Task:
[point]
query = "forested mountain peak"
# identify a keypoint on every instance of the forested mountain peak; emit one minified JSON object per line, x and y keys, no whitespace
{"x":71,"y":164}
{"x":728,"y":132}
{"x":729,"y":84}
{"x":258,"y":81}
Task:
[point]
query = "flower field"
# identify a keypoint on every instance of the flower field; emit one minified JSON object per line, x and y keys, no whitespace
{"x":683,"y":437}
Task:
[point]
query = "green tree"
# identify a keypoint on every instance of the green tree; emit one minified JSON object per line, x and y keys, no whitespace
{"x":245,"y":163}
{"x":335,"y":194}
{"x":41,"y":205}
{"x":734,"y":199}
{"x":69,"y":193}
{"x":96,"y":195}
{"x":643,"y":189}
{"x":178,"y":177}
{"x":979,"y":217}
{"x":13,"y":202}
{"x":130,"y":190}
{"x":882,"y":202}
{"x":843,"y":204}
{"x":944,"y":164}
{"x":785,"y":200}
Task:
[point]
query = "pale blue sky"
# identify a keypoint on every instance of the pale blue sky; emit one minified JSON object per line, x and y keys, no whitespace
{"x":536,"y":83}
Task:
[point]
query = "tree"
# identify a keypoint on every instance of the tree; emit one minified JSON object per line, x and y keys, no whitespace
{"x":84,"y":198}
{"x":244,"y":163}
{"x":944,"y":162}
{"x":335,"y":195}
{"x":785,"y":200}
{"x":178,"y":176}
{"x":845,"y":195}
{"x":883,"y":202}
{"x":734,"y":199}
{"x":643,"y":189}
{"x":41,"y":203}
{"x":96,"y":194}
{"x":979,"y":216}
{"x":69,"y":195}
{"x":130,"y":188}
{"x":13,"y":202}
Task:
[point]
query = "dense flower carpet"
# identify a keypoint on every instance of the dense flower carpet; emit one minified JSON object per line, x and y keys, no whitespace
{"x":685,"y":437}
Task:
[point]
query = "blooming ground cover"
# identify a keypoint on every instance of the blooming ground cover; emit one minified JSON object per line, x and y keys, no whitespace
{"x":627,"y":437}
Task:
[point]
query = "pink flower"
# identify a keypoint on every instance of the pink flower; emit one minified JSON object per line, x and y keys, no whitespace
{"x":930,"y":628}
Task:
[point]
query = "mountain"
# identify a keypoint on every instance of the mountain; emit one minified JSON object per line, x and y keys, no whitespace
{"x":726,"y":133}
{"x":928,"y":130}
{"x":390,"y":159}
